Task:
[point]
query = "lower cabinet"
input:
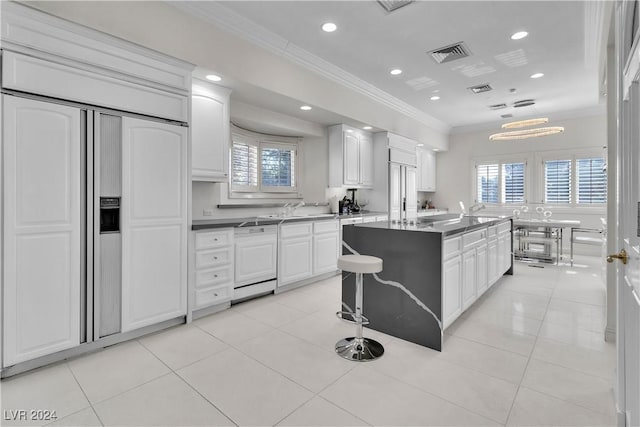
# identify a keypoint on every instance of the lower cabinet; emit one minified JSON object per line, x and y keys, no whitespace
{"x":482,"y":266}
{"x":451,"y":290}
{"x":307,"y":249}
{"x":213,"y":270}
{"x":471,"y":264}
{"x":469,"y":282}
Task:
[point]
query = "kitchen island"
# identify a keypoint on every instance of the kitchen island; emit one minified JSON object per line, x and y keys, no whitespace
{"x":433,"y":270}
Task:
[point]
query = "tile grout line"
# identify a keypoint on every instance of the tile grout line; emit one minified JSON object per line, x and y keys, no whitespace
{"x":84,"y":393}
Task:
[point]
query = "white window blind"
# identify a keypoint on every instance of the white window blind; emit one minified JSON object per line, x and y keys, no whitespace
{"x":557,"y":181}
{"x":591,"y":181}
{"x":513,"y":182}
{"x":487,"y":182}
{"x":278,"y":163}
{"x":244,"y":166}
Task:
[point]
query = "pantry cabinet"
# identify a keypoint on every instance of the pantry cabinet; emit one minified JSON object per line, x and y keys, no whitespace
{"x":426,"y":170}
{"x":350,"y":157}
{"x":210,"y":133}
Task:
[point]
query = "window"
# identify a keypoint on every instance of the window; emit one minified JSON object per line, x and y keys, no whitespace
{"x":500,"y":183}
{"x":513,"y":182}
{"x":263,"y":166}
{"x":557,"y":181}
{"x":487,"y":180}
{"x":591,"y":181}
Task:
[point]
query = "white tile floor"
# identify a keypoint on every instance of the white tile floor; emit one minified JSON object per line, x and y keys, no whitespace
{"x":529,"y":352}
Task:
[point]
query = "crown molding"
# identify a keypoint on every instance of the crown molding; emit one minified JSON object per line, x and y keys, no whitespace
{"x":234,"y":23}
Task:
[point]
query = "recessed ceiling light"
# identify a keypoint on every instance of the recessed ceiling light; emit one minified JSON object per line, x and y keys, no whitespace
{"x":537,"y":75}
{"x":329,"y":27}
{"x":420,"y":144}
{"x":395,"y":71}
{"x":519,"y":35}
{"x":367,"y":127}
{"x":434,"y":98}
{"x":350,"y":130}
{"x":305,"y":108}
{"x":436,"y":149}
{"x":213,"y":77}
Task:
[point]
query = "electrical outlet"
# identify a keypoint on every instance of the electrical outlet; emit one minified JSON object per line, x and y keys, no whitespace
{"x":207,"y":212}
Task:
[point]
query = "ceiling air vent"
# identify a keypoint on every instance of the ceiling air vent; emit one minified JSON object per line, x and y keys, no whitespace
{"x":486,"y":87}
{"x":391,"y":5}
{"x":498,"y":106}
{"x":523,"y":103}
{"x":506,"y":116}
{"x":450,"y":53}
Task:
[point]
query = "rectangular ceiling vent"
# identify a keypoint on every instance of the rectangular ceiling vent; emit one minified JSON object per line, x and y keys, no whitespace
{"x":450,"y":53}
{"x":498,"y":106}
{"x":391,"y":5}
{"x":485,"y":87}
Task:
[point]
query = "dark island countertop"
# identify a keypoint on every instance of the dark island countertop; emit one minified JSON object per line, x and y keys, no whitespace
{"x":203,"y":224}
{"x":447,"y":224}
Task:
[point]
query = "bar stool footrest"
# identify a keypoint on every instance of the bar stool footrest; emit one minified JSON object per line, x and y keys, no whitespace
{"x":339,"y":315}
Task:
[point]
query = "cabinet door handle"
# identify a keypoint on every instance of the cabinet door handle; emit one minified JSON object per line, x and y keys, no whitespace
{"x":215,"y":275}
{"x":215,"y":257}
{"x":215,"y":295}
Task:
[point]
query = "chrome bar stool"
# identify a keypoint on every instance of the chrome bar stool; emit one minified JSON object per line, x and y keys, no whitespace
{"x":359,"y":348}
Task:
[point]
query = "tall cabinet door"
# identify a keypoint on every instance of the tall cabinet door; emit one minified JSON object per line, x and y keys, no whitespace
{"x":411,"y":193}
{"x":153,"y":222}
{"x":42,"y":228}
{"x":351,"y":159}
{"x":395,"y":197}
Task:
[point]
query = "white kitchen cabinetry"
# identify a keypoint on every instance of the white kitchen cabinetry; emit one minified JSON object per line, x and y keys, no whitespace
{"x":451,"y":280}
{"x":306,"y":250}
{"x":492,"y":249}
{"x":295,"y":252}
{"x":350,"y":157}
{"x":471,"y":263}
{"x":41,"y":228}
{"x":326,"y":235}
{"x":426,"y":170}
{"x":213,"y":263}
{"x":153,"y":222}
{"x":209,"y":132}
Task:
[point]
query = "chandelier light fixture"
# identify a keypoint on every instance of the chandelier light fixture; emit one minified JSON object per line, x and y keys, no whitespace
{"x":525,"y":123}
{"x":525,"y":133}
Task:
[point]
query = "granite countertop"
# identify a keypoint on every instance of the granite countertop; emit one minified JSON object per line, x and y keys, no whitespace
{"x":202,"y":224}
{"x":447,"y":225}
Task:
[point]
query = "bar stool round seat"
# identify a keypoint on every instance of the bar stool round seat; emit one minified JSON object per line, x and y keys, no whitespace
{"x":358,"y":348}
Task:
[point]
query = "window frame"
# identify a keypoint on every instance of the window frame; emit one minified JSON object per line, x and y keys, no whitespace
{"x":261,"y":141}
{"x":573,"y":156}
{"x":500,"y":162}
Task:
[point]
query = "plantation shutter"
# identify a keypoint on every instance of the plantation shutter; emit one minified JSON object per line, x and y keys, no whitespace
{"x":487,"y":181}
{"x":557,"y":178}
{"x":513,"y":182}
{"x":591,"y":181}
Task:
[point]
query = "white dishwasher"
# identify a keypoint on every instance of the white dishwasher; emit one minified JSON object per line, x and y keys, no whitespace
{"x":256,"y":251}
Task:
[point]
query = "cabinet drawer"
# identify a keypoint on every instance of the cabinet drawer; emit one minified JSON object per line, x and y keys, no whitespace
{"x":504,"y":227}
{"x":369,"y":219}
{"x":296,"y":230}
{"x":214,"y":257}
{"x":348,"y":221}
{"x":214,"y":239}
{"x":382,"y":218}
{"x":325,"y":227}
{"x":474,"y":238}
{"x":212,"y":295}
{"x":492,"y":231}
{"x":451,"y":247}
{"x":214,"y":276}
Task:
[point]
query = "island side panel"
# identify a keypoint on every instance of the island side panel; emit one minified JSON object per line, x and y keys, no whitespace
{"x":411,"y":258}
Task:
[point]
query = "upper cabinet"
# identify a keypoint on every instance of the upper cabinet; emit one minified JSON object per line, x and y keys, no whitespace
{"x":350,"y":157}
{"x":209,"y":132}
{"x":426,"y":170}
